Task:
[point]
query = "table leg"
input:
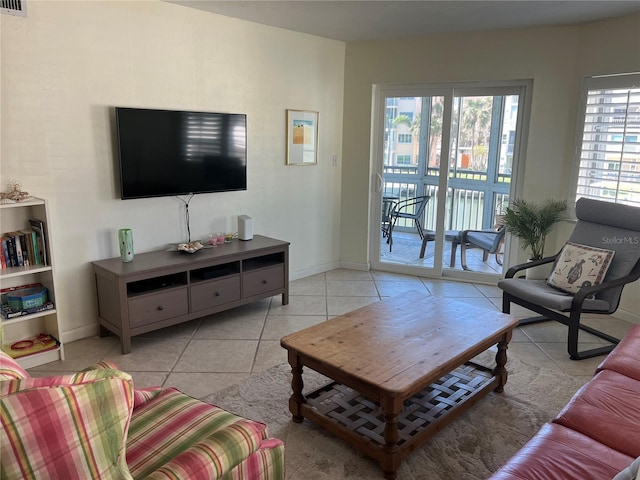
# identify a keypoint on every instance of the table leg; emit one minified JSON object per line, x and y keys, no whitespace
{"x":297,"y":399}
{"x":391,"y":458}
{"x":125,"y":344}
{"x":501,"y":360}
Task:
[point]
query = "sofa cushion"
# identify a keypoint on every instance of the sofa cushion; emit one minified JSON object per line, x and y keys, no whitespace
{"x":71,"y":426}
{"x":265,"y":463}
{"x":538,"y":292}
{"x":170,"y":424}
{"x":625,"y":358}
{"x":10,"y":369}
{"x":557,"y":452}
{"x":607,"y":409}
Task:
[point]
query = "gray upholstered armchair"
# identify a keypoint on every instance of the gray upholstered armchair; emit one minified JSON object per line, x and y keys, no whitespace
{"x":602,"y":225}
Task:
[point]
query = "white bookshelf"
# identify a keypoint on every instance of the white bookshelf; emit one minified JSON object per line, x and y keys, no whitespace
{"x":15,"y":217}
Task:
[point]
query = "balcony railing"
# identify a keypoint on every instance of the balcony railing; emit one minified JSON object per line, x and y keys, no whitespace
{"x":467,"y":208}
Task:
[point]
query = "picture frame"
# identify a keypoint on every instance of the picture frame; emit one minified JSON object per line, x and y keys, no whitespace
{"x":302,"y":137}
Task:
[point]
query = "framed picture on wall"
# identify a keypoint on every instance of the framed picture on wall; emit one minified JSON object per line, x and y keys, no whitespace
{"x":302,"y":137}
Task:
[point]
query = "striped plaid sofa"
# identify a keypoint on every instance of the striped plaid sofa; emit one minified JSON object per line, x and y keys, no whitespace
{"x":95,"y":425}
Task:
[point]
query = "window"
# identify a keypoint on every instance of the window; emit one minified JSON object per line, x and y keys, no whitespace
{"x":405,"y":138}
{"x":403,"y":160}
{"x":609,"y":150}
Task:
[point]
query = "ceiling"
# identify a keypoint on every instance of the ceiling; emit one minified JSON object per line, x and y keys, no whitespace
{"x":352,"y":21}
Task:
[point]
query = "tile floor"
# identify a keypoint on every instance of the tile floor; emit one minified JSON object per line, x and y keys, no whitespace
{"x":406,"y":251}
{"x":204,"y":356}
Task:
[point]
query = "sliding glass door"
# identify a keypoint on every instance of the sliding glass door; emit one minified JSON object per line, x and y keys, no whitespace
{"x":421,"y":204}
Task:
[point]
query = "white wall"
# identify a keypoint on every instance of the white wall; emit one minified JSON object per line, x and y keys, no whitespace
{"x":68,"y":63}
{"x":555,"y":58}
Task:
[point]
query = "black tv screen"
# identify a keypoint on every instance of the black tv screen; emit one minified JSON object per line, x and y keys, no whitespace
{"x":164,"y":152}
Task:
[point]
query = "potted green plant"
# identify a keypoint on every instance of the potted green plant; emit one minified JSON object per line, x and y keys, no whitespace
{"x":532,"y":222}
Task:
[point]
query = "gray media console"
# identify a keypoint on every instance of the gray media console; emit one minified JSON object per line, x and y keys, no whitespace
{"x":160,"y":289}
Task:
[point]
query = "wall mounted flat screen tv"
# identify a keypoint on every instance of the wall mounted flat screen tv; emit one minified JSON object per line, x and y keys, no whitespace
{"x":165,"y":152}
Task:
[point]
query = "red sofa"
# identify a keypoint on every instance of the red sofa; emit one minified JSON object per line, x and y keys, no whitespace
{"x":597,"y":434}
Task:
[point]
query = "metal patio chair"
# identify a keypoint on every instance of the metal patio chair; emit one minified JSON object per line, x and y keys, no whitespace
{"x":412,"y":209}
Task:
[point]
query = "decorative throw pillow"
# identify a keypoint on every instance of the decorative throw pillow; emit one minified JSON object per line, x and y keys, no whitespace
{"x":73,"y":426}
{"x":579,"y":266}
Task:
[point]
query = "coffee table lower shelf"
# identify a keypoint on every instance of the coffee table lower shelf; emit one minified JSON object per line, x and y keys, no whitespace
{"x":360,"y":421}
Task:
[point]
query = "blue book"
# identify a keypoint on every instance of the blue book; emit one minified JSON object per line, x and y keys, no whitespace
{"x":11,"y":251}
{"x":18,"y":248}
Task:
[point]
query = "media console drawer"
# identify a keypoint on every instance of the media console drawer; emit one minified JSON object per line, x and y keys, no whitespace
{"x":262,"y":281}
{"x":217,"y":292}
{"x":155,"y":307}
{"x":163,"y":288}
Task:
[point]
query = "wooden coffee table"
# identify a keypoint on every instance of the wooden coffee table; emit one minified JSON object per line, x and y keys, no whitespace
{"x":401,"y":369}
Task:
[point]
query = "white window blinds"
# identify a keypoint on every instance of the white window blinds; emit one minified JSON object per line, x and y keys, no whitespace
{"x":609,"y":154}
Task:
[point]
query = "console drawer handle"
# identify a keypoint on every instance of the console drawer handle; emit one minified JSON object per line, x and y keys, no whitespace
{"x":160,"y":307}
{"x":217,"y":294}
{"x":264,"y":282}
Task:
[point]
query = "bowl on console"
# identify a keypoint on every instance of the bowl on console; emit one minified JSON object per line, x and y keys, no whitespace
{"x":191,"y":247}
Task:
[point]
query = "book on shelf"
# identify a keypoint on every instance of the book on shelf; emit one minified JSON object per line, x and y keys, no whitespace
{"x":8,"y":312}
{"x":3,"y":258}
{"x":32,"y":246}
{"x":17,"y":247}
{"x":42,"y":342}
{"x":39,"y":227}
{"x":5,"y":252}
{"x":11,"y":251}
{"x":7,"y":290}
{"x":23,"y":246}
{"x":27,"y":250}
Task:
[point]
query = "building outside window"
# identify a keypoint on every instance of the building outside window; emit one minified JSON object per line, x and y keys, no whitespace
{"x":403,"y":160}
{"x":609,"y":151}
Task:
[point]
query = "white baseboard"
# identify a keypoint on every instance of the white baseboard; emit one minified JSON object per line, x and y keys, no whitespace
{"x":364,"y":267}
{"x":80,"y":333}
{"x":627,"y":316}
{"x":327,"y":267}
{"x":308,"y":272}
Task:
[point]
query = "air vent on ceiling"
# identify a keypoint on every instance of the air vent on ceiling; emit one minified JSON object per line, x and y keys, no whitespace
{"x":14,"y":7}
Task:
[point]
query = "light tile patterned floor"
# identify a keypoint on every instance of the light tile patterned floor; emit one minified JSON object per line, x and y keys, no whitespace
{"x":406,"y":251}
{"x":207,"y":355}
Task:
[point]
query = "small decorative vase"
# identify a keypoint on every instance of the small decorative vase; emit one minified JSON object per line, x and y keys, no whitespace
{"x":125,"y":237}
